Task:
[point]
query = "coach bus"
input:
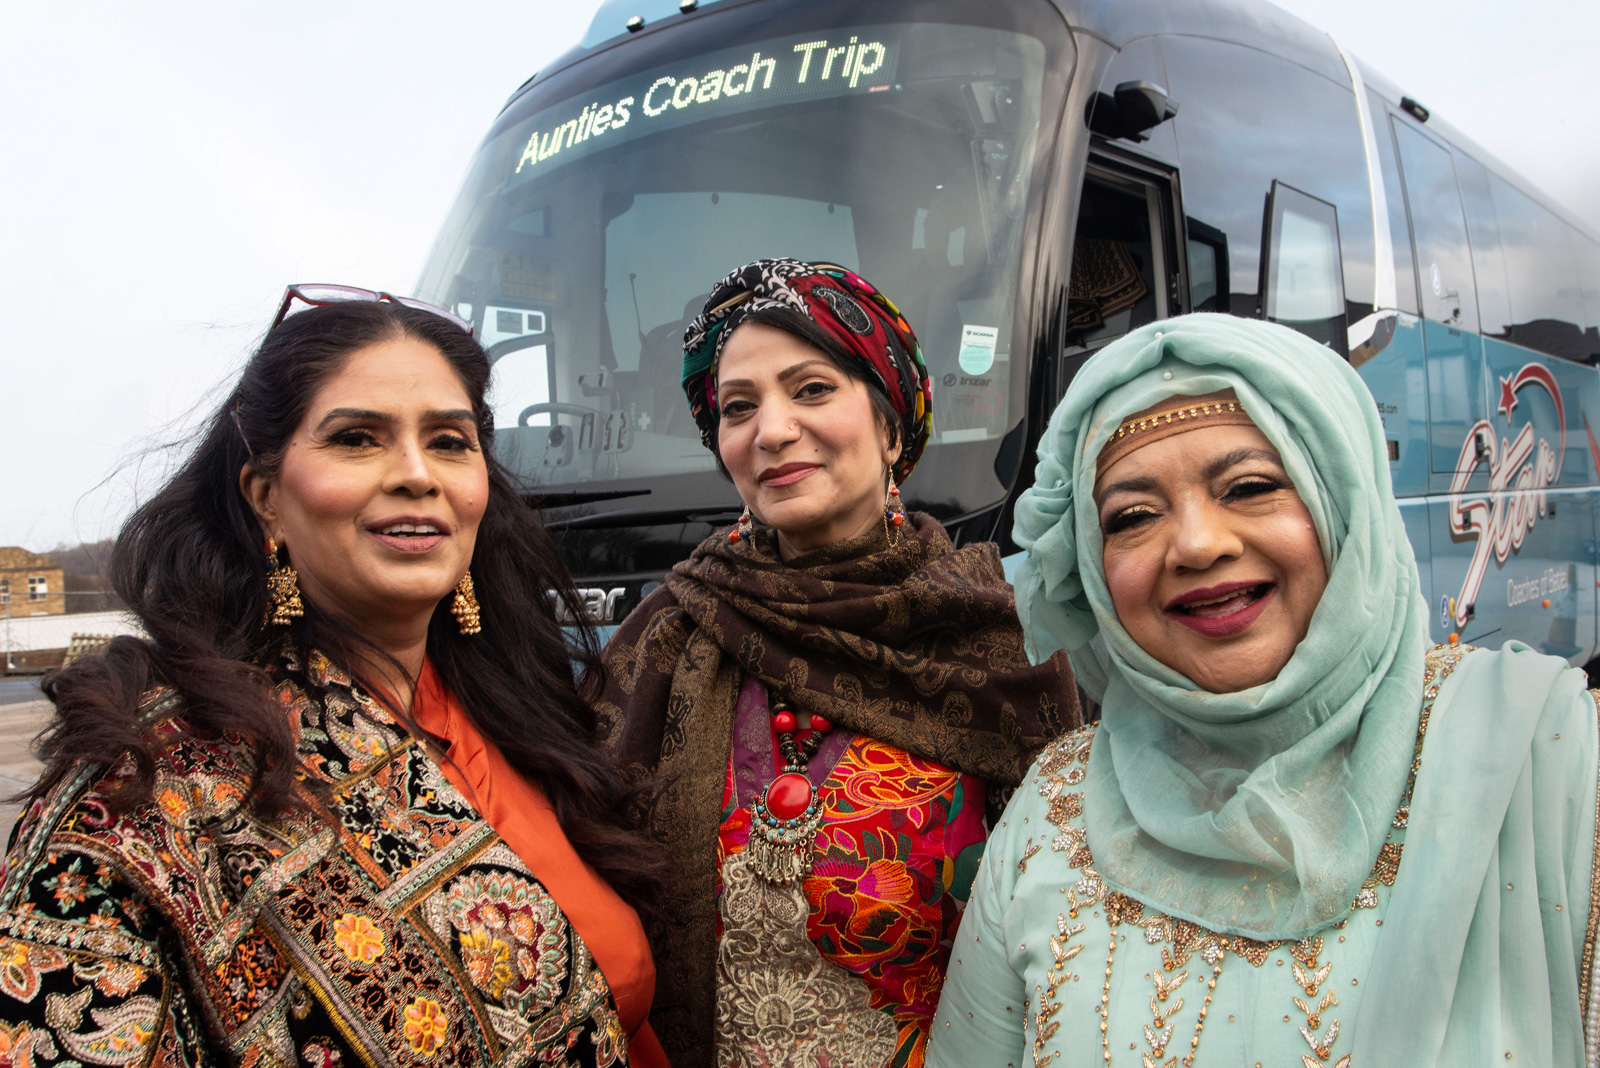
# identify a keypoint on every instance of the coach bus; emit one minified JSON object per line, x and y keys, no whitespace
{"x":1030,"y":179}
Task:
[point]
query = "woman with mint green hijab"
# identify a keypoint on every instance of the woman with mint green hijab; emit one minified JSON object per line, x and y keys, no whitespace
{"x":1298,"y":835}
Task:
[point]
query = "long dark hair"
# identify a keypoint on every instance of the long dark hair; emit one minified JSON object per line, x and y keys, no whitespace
{"x":191,"y":564}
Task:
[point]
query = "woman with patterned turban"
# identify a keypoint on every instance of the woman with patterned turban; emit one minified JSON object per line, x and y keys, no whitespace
{"x":344,"y":805}
{"x":822,"y":696}
{"x":1297,"y":835}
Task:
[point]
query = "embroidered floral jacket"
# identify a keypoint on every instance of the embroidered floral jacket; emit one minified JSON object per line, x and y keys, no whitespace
{"x":386,"y":925}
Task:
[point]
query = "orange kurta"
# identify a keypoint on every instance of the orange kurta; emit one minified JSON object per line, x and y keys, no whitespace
{"x":524,"y":818}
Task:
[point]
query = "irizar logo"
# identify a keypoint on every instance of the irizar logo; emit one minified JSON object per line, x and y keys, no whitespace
{"x":600,"y":605}
{"x":1519,"y":474}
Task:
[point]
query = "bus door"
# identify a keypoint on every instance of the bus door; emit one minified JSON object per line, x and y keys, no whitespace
{"x":1125,"y":267}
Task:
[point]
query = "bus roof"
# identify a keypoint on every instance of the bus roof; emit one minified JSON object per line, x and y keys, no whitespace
{"x":1253,"y":23}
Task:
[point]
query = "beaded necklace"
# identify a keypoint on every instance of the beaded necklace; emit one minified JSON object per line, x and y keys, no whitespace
{"x":785,"y":818}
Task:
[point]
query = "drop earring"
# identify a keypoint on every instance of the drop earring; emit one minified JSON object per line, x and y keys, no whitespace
{"x":892,"y":510}
{"x":465,"y":606}
{"x":743,"y":529}
{"x":283,"y":590}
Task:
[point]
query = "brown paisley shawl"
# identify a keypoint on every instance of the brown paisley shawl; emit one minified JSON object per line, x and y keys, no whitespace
{"x":915,"y":643}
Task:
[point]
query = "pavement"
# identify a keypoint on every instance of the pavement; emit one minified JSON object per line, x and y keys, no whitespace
{"x":21,"y":719}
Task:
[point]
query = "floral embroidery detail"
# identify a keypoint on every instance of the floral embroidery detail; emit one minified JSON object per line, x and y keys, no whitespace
{"x":114,"y":978}
{"x":123,"y":1032}
{"x":893,"y":861}
{"x":19,"y":1043}
{"x":137,"y":937}
{"x":69,"y":888}
{"x":488,"y":961}
{"x":426,"y":1026}
{"x":777,"y":995}
{"x":321,"y":1055}
{"x":22,"y":965}
{"x":513,"y":939}
{"x":358,"y":937}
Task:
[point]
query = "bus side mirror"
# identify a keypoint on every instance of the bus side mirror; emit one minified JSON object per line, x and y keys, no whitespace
{"x":1129,"y":110}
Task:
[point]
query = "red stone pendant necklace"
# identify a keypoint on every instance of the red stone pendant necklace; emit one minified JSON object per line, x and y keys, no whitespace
{"x":785,"y":818}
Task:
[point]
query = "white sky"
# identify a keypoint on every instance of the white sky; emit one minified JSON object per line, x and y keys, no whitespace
{"x":167,"y":168}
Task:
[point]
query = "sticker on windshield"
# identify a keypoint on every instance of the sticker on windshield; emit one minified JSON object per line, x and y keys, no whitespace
{"x":977,"y":348}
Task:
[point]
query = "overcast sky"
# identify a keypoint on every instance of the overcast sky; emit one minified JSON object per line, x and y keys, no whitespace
{"x":166,"y":168}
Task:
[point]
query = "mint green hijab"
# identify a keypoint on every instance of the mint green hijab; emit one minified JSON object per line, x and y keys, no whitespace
{"x":1260,"y":812}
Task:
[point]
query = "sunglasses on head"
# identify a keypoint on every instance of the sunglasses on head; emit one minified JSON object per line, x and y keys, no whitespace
{"x":319,"y":294}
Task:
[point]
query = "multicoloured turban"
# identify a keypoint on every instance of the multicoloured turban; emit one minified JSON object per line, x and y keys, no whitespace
{"x":864,"y":325}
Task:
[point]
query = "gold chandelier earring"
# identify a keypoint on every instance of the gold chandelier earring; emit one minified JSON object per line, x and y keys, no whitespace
{"x":465,"y":606}
{"x":283,"y":590}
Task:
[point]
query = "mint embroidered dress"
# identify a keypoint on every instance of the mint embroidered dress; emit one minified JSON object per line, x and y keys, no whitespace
{"x":1410,"y":834}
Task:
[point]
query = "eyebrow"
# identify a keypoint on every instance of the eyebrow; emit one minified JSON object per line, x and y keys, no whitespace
{"x":1239,"y":456}
{"x":1145,"y":484}
{"x":432,"y":415}
{"x":791,"y":372}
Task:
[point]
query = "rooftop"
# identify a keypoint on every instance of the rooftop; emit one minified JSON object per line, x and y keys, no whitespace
{"x":23,"y":634}
{"x":14,"y":559}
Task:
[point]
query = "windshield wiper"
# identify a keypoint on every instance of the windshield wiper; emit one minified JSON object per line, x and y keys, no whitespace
{"x":645,"y":517}
{"x":564,"y":500}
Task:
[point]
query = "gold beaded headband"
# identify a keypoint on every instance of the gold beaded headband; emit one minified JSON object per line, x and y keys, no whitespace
{"x":1142,"y":428}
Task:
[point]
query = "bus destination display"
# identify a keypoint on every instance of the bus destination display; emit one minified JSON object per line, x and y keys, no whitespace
{"x":722,"y":83}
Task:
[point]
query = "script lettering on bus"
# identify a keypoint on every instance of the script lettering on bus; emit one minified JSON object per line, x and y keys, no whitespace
{"x":811,"y":65}
{"x":1520,"y":471}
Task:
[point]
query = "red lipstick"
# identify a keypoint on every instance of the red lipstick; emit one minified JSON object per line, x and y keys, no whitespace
{"x":785,"y":474}
{"x":1224,"y":610}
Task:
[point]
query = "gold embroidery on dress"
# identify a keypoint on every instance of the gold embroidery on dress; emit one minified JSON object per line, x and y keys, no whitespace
{"x":1312,"y":976}
{"x":1064,"y":764}
{"x":779,"y":1001}
{"x":1586,"y":988}
{"x":1062,"y":951}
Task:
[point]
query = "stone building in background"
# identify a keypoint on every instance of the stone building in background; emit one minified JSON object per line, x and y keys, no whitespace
{"x":30,"y":584}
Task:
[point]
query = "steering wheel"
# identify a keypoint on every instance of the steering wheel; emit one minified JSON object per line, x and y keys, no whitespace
{"x":555,"y":408}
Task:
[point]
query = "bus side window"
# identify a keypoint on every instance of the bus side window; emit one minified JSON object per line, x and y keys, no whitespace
{"x":1301,"y":279}
{"x":1208,"y":267}
{"x":1246,"y":119}
{"x":1405,"y":275}
{"x":1439,"y":232}
{"x":1488,"y":260}
{"x":1542,"y":267}
{"x":1589,"y":273}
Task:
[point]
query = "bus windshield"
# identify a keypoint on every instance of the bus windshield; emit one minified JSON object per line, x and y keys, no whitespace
{"x":610,"y":197}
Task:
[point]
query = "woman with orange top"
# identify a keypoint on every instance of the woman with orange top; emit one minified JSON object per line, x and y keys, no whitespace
{"x":343,"y":806}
